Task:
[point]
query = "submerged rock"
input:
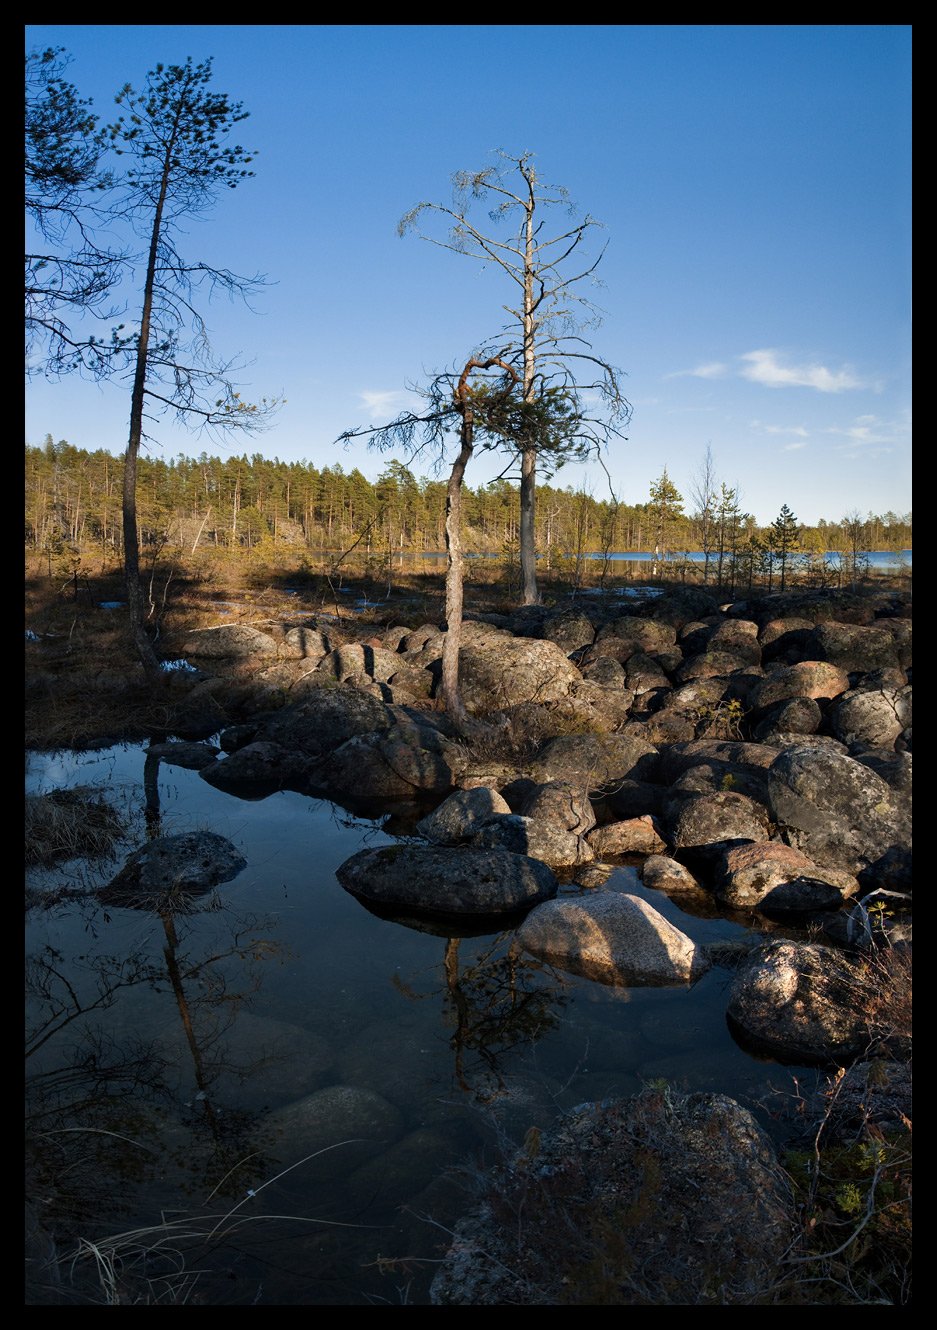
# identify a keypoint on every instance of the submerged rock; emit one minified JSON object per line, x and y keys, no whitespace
{"x":339,"y":1127}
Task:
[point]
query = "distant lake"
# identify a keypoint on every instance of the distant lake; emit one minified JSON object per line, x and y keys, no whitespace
{"x":882,"y":560}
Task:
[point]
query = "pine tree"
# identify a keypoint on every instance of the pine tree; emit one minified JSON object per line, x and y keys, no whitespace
{"x":69,"y":274}
{"x":666,"y":506}
{"x":176,"y":132}
{"x":786,"y":533}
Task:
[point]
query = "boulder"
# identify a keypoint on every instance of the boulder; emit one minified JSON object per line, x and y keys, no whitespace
{"x":737,"y":637}
{"x":290,"y":678}
{"x":419,"y":638}
{"x":707,"y":824}
{"x":634,"y":798}
{"x":637,"y":634}
{"x":193,"y":756}
{"x":793,"y":715}
{"x":854,"y":648}
{"x":564,"y":804}
{"x":170,"y":868}
{"x":728,"y":753}
{"x":810,"y":678}
{"x":871,"y":719}
{"x":658,"y":1200}
{"x":644,"y":674}
{"x":229,"y":641}
{"x":836,"y":810}
{"x":595,"y":762}
{"x":716,"y":778}
{"x":510,"y":671}
{"x":409,"y":682}
{"x":569,"y":631}
{"x":325,"y":719}
{"x":635,"y":835}
{"x":710,"y":665}
{"x":257,"y":769}
{"x":677,"y":608}
{"x":543,"y":840}
{"x":663,"y":727}
{"x":606,"y":671}
{"x":613,"y":938}
{"x":660,"y":873}
{"x":896,"y":769}
{"x":596,"y":708}
{"x":307,"y":644}
{"x":697,"y":695}
{"x":819,"y":743}
{"x":901,"y":631}
{"x":355,"y":658}
{"x":769,"y":876}
{"x":799,"y":1002}
{"x":461,"y":815}
{"x":391,"y":764}
{"x":785,"y":639}
{"x":447,"y":881}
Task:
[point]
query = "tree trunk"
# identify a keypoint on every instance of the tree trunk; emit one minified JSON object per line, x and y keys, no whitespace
{"x":454,"y":573}
{"x":454,"y":566}
{"x":136,"y":604}
{"x":530,"y":593}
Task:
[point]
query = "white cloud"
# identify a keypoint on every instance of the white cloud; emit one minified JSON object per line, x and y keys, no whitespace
{"x":713,"y":369}
{"x":765,"y":367}
{"x":380,"y":404}
{"x":870,"y":431}
{"x":781,"y":429}
{"x":792,"y":447}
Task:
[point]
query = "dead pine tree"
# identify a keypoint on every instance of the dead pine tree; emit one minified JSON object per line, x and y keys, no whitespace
{"x":548,"y":272}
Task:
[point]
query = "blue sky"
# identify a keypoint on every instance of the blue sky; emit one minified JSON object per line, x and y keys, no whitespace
{"x":753,"y":183}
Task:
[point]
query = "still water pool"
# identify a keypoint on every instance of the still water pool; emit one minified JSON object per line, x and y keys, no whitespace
{"x":281,"y":1099}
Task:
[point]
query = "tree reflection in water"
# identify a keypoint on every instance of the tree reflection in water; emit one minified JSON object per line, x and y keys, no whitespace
{"x":107,"y":1137}
{"x":499,"y":1002}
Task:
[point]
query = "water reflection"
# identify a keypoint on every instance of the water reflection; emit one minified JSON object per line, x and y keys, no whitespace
{"x":111,"y":1130}
{"x":168,"y":1047}
{"x":498,"y":1002}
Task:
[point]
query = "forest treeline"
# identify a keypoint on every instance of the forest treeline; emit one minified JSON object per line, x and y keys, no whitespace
{"x":73,"y":499}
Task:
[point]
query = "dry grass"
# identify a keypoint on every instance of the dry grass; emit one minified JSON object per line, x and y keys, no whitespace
{"x":70,"y":824}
